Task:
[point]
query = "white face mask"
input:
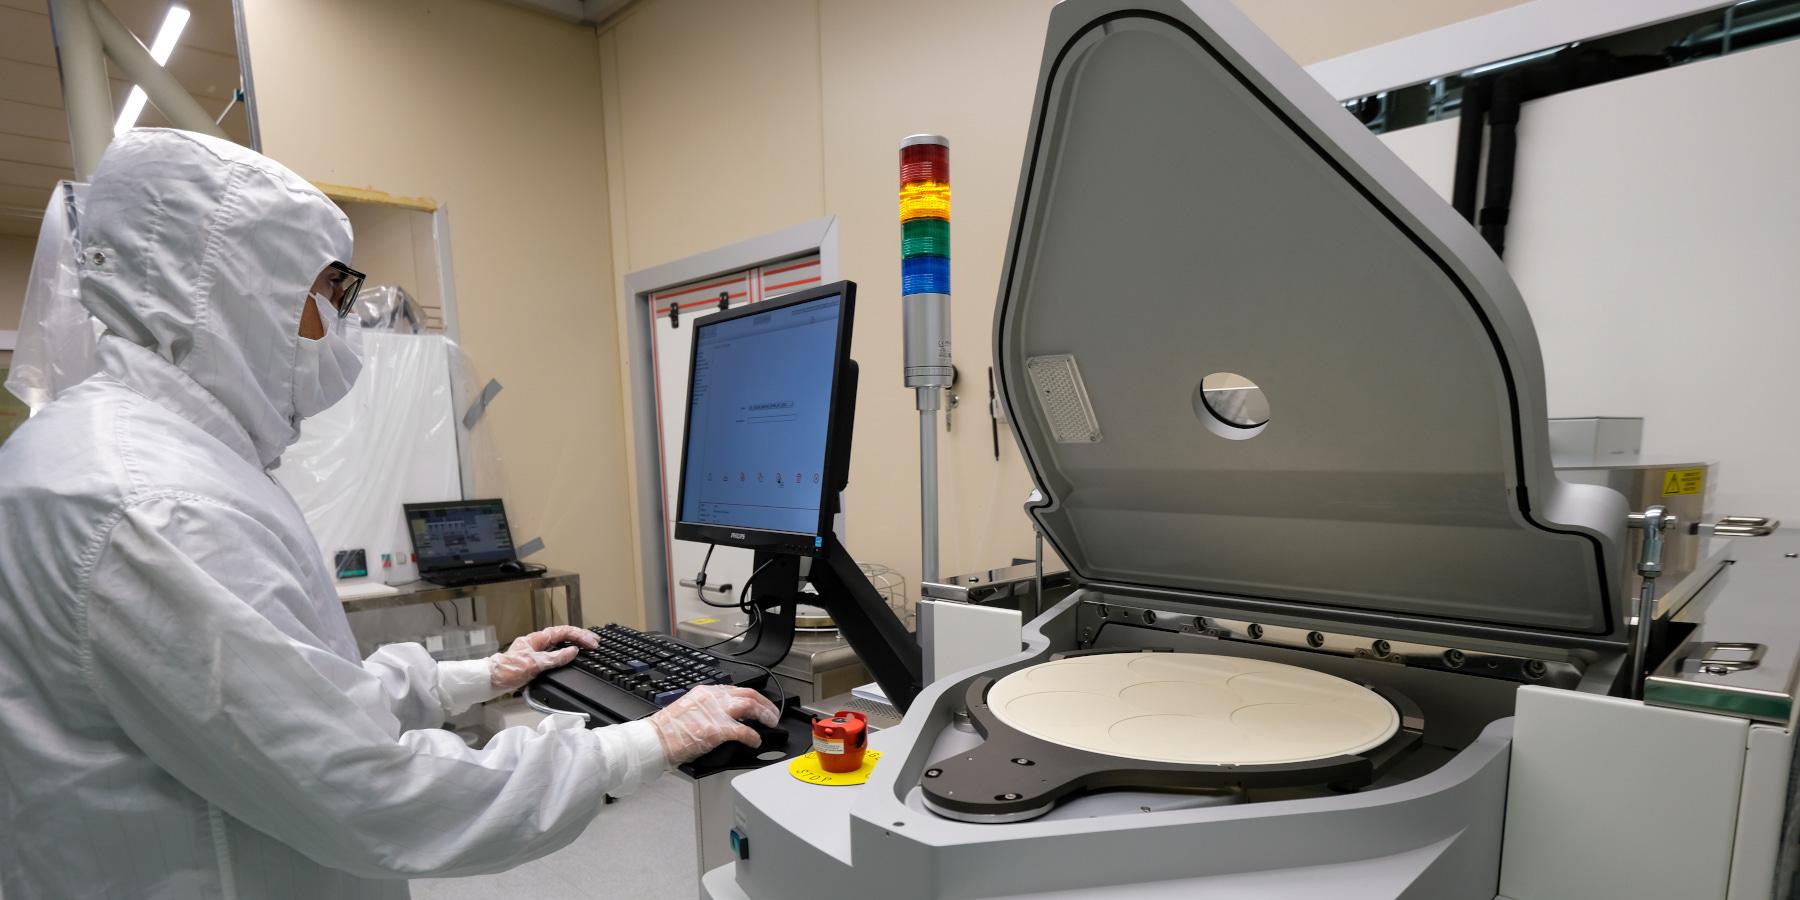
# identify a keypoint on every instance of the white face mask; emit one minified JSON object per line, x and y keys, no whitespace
{"x":326,"y":369}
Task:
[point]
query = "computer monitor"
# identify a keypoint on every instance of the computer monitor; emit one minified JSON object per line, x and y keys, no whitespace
{"x":761,"y":457}
{"x":459,"y":534}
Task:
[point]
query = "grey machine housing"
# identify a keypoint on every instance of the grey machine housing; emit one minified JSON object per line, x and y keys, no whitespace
{"x":1191,"y":202}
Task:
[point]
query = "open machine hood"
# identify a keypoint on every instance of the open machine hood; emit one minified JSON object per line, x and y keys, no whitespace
{"x":1191,"y":203}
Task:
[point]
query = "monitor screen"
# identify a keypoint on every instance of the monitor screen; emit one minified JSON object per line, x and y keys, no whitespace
{"x":759,"y":417}
{"x":452,"y":535}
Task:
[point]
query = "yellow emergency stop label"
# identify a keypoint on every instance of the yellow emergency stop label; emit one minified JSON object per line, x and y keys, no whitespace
{"x":1683,"y":481}
{"x":807,"y":769}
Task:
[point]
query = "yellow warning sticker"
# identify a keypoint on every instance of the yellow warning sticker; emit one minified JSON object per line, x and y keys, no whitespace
{"x":807,"y":769}
{"x":706,"y":621}
{"x":1683,"y":481}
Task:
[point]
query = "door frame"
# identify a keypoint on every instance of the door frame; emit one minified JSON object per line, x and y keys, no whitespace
{"x":818,"y":235}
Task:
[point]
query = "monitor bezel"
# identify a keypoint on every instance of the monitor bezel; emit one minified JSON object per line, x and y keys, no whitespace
{"x":759,"y":539}
{"x":462,"y":563}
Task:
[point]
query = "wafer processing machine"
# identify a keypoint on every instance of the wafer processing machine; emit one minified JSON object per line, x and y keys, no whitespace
{"x":1340,"y":630}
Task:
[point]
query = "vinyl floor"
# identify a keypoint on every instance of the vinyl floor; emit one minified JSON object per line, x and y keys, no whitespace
{"x":640,"y":848}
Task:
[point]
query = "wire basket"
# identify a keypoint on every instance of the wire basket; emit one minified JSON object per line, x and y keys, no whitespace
{"x":892,"y":588}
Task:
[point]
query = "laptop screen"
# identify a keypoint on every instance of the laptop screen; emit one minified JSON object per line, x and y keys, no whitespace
{"x":457,"y":535}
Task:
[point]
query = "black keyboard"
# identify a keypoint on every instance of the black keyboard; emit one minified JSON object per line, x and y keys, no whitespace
{"x":633,"y":674}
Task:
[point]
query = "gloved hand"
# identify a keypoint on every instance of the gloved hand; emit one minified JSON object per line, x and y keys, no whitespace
{"x":531,"y":654}
{"x":708,"y":715}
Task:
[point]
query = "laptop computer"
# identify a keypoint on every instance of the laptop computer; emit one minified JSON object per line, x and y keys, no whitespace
{"x":462,"y":542}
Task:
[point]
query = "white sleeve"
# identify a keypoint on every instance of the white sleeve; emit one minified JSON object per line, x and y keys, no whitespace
{"x":422,"y":691}
{"x":190,"y":646}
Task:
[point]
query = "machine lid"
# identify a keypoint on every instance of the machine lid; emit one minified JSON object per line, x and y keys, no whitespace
{"x":1252,"y":358}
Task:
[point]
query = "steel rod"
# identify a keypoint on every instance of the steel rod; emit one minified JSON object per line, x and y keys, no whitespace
{"x":158,"y":83}
{"x":1037,"y":584}
{"x":87,"y":97}
{"x":1652,"y":522}
{"x":1640,"y":638}
{"x":928,"y":487}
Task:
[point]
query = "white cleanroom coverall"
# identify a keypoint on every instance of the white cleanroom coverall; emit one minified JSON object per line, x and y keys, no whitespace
{"x":182,"y":710}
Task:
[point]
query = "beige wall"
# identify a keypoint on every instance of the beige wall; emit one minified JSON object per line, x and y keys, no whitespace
{"x":15,"y":269}
{"x":394,"y":247}
{"x":494,"y":112}
{"x":719,"y":108}
{"x":727,"y":120}
{"x":1315,"y":30}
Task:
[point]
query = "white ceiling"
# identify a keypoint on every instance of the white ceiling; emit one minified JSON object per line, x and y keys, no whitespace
{"x":34,"y":133}
{"x":581,"y":12}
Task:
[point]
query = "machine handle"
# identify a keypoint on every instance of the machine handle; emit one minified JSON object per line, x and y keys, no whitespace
{"x":548,"y":710}
{"x":723,"y":589}
{"x":1737,"y":526}
{"x":1706,"y":659}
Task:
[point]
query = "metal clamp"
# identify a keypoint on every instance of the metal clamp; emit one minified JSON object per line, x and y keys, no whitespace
{"x":1737,"y":526}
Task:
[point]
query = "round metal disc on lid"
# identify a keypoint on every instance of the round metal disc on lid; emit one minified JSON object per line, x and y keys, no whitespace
{"x":1193,"y":709}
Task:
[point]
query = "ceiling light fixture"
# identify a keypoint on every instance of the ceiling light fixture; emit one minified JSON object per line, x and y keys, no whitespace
{"x":160,"y":50}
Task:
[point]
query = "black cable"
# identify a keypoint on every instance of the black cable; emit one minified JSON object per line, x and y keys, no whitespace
{"x":754,"y":611}
{"x":753,"y":641}
{"x":776,"y":679}
{"x":700,"y":579}
{"x":744,"y":592}
{"x":717,"y":605}
{"x":743,"y":600}
{"x":755,"y":619}
{"x":442,"y":619}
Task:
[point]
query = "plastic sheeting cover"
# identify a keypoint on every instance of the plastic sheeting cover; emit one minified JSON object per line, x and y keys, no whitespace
{"x":391,"y":441}
{"x":55,"y":348}
{"x":390,"y":308}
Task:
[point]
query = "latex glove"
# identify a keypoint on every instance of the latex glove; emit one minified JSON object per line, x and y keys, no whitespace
{"x":709,"y":715}
{"x":531,"y":654}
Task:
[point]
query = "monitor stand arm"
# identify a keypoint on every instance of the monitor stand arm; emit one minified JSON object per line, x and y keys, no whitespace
{"x":864,"y":619}
{"x":862,"y":616}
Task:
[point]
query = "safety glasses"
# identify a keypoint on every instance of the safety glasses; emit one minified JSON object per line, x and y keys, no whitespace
{"x":342,"y":284}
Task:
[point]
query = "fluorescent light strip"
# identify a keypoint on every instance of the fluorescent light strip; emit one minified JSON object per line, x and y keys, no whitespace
{"x":160,"y":50}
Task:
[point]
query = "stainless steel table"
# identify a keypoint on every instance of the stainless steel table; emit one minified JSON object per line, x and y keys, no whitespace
{"x":538,"y":587}
{"x":820,"y":663}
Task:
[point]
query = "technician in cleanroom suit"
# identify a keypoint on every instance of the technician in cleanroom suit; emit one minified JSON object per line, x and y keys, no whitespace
{"x":182,"y":710}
